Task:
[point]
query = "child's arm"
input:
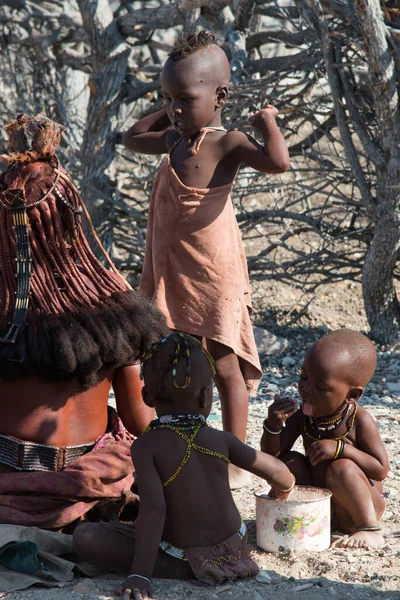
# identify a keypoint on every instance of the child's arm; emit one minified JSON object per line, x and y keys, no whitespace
{"x":267,"y":467}
{"x":151,"y":518}
{"x":150,"y":134}
{"x":273,"y":156}
{"x":370,"y":456}
{"x":280,"y":429}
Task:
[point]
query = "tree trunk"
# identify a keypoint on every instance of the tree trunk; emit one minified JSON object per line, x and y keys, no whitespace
{"x":380,"y":299}
{"x":109,"y":56}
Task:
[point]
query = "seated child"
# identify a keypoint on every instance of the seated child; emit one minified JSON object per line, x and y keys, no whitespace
{"x":188,"y":523}
{"x":343,"y":449}
{"x":195,"y":268}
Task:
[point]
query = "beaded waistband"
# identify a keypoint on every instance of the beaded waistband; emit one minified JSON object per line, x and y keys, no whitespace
{"x":180,"y":552}
{"x":29,"y":456}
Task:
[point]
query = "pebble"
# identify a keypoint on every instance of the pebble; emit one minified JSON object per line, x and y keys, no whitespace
{"x":84,"y":587}
{"x":387,"y":400}
{"x":351,"y":558}
{"x":288,"y":361}
{"x":393,"y":387}
{"x":302,"y":587}
{"x":269,"y":344}
{"x":331,"y":591}
{"x":263,"y":577}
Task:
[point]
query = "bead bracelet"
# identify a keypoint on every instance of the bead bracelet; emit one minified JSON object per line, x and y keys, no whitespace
{"x":289,"y":488}
{"x":340,"y":444}
{"x":271,"y":431}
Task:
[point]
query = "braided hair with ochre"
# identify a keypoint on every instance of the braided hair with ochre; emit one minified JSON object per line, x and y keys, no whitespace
{"x":63,"y":315}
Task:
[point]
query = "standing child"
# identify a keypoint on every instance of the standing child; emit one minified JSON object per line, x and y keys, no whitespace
{"x":188,"y":523}
{"x":195,"y":268}
{"x":344,"y":451}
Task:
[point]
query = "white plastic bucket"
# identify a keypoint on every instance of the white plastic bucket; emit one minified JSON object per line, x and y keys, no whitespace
{"x":303,"y":522}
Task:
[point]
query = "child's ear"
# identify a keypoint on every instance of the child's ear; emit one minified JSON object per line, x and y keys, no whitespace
{"x":204,"y":396}
{"x":221,"y":96}
{"x":145,"y":397}
{"x":354,"y":394}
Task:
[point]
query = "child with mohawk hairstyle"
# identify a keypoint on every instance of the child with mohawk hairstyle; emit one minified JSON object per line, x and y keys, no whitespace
{"x":188,"y":524}
{"x":195,"y":268}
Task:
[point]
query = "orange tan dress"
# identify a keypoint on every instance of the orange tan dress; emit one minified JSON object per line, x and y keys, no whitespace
{"x":195,"y":268}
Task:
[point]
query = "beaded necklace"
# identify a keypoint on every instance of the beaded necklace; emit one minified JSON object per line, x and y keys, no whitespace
{"x":187,"y":421}
{"x":333,"y":424}
{"x":15,"y":202}
{"x":178,"y":424}
{"x":307,"y":419}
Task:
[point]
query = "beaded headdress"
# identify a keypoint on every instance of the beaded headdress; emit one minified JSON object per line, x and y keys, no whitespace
{"x":182,"y":350}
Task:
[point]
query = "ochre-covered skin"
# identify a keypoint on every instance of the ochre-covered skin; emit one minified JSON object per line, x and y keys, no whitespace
{"x":84,"y":328}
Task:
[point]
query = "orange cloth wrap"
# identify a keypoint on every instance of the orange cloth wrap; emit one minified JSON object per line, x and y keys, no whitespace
{"x":195,"y":268}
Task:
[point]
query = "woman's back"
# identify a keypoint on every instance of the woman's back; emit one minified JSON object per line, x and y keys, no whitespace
{"x":51,"y":412}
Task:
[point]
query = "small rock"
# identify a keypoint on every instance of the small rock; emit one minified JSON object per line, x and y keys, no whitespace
{"x":84,"y":587}
{"x":288,"y":361}
{"x":386,"y":400}
{"x":272,"y":388}
{"x":393,"y":387}
{"x":263,"y":577}
{"x":269,"y":344}
{"x":351,"y":558}
{"x":302,"y":587}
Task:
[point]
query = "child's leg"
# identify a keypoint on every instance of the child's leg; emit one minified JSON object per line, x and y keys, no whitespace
{"x":234,"y":401}
{"x":231,"y":388}
{"x":299,"y":465}
{"x":113,"y":550}
{"x":357,"y":501}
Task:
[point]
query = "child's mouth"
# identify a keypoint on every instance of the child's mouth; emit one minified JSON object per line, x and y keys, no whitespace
{"x":179,"y":125}
{"x":307,"y":409}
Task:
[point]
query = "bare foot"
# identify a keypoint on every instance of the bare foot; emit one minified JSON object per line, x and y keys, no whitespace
{"x":363,"y":539}
{"x":238,"y":478}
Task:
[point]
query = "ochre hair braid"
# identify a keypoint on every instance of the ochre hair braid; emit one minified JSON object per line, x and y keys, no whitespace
{"x":81,"y":317}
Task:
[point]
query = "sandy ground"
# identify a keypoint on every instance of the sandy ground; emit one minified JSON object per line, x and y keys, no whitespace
{"x":336,"y":573}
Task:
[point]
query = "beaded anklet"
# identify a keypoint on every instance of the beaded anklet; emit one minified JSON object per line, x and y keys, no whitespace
{"x":139,"y":576}
{"x":369,"y":528}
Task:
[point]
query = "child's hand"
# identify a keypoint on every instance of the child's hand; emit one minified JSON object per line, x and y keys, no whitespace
{"x":135,"y":587}
{"x":265,"y":115}
{"x":280,"y":410}
{"x":321,"y":450}
{"x":278,"y":494}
